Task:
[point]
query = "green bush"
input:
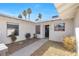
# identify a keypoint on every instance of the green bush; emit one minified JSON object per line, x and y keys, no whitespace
{"x":34,"y":36}
{"x":13,"y":36}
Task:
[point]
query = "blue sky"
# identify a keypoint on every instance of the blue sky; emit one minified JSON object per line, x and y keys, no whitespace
{"x":14,"y":9}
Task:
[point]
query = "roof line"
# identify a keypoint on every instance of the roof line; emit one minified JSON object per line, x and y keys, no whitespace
{"x":16,"y":18}
{"x":55,"y":19}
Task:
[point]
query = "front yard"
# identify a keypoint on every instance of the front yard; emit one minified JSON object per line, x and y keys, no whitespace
{"x":51,"y":48}
{"x":19,"y":45}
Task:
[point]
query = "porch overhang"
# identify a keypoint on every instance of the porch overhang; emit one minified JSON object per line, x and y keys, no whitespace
{"x":66,"y":10}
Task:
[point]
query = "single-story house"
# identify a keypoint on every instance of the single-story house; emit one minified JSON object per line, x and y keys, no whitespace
{"x":55,"y":30}
{"x":44,"y":29}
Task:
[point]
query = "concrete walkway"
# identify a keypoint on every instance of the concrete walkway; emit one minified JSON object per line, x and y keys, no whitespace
{"x":27,"y":51}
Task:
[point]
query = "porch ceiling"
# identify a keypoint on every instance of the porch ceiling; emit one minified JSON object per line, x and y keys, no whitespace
{"x":66,"y":10}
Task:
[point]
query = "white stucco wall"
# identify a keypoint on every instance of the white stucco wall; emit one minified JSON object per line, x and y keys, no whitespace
{"x":59,"y":35}
{"x":42,"y":29}
{"x":24,"y":27}
{"x":29,"y":27}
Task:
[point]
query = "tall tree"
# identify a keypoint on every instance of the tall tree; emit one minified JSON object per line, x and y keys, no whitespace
{"x":39,"y":15}
{"x":56,"y":16}
{"x":36,"y":19}
{"x":29,"y":11}
{"x":19,"y":16}
{"x":24,"y":13}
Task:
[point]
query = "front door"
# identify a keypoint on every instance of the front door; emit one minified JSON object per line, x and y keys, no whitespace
{"x":46,"y":31}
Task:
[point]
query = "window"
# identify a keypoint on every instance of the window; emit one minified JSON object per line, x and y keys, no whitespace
{"x":12,"y":28}
{"x":37,"y":29}
{"x":59,"y":27}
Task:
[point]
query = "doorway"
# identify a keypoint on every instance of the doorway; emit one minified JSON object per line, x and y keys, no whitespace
{"x":47,"y":31}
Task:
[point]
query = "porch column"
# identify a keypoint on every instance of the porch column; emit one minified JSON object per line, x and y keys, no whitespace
{"x":76,"y":23}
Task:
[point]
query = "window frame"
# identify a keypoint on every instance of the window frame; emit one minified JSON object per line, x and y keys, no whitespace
{"x":37,"y":29}
{"x":59,"y":28}
{"x":13,"y":24}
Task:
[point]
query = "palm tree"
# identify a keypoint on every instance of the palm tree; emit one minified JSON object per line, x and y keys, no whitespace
{"x":36,"y":19}
{"x":39,"y":15}
{"x":24,"y":13}
{"x":29,"y":11}
{"x":55,"y":16}
{"x":19,"y":16}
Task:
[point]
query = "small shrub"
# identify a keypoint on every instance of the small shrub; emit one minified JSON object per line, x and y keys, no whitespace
{"x":34,"y":36}
{"x":27,"y":35}
{"x":13,"y":37}
{"x":69,"y":43}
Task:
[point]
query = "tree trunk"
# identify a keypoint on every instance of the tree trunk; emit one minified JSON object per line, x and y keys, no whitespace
{"x":25,"y":17}
{"x":29,"y":17}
